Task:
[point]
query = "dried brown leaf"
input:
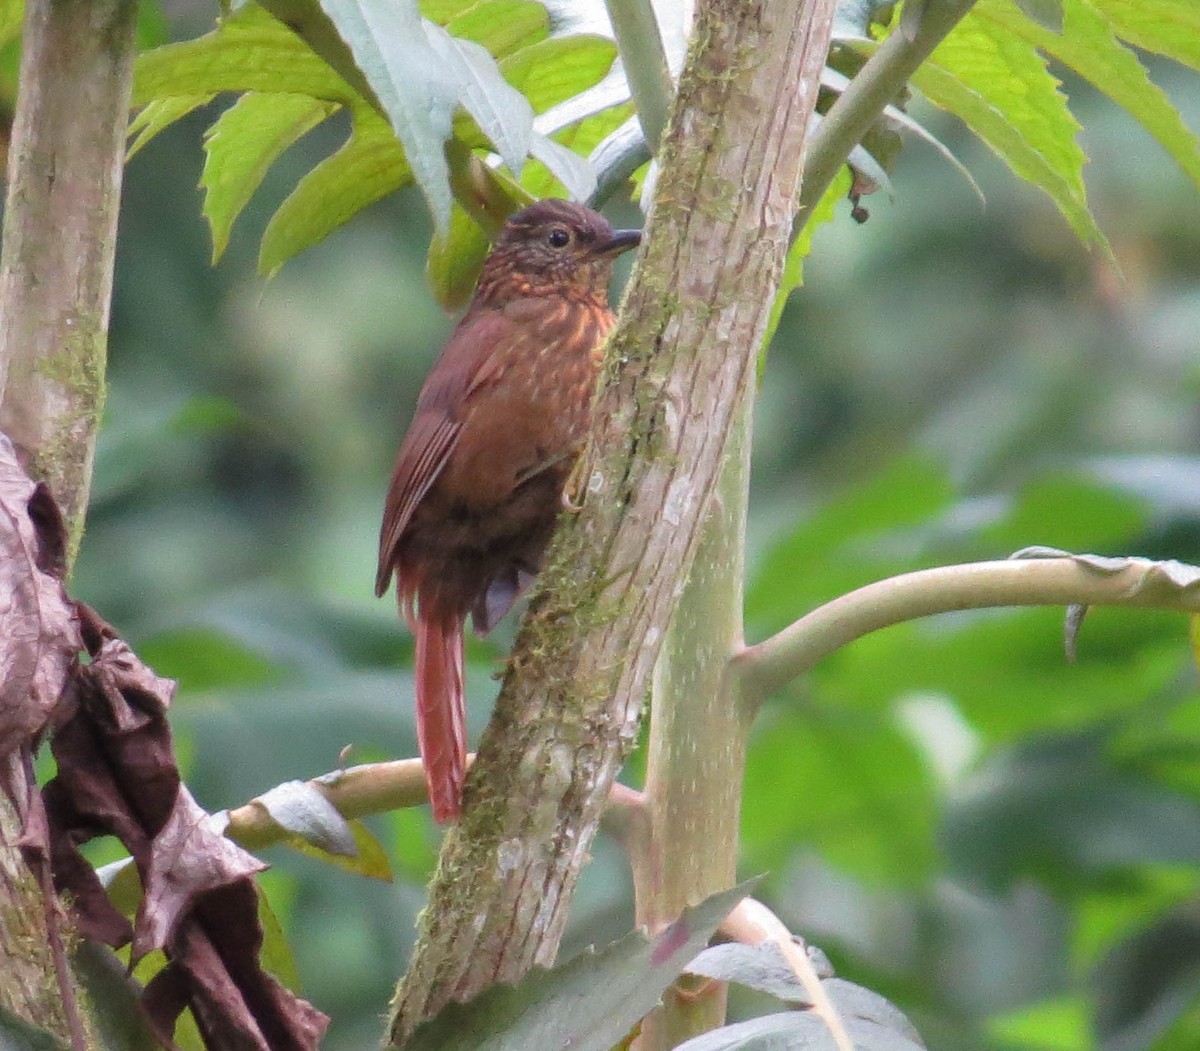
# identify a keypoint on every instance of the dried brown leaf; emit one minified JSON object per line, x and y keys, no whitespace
{"x":39,"y":636}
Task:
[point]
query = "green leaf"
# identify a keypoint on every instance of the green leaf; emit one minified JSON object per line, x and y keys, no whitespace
{"x":158,"y":115}
{"x":997,"y":84}
{"x":454,"y":261}
{"x":1087,"y":45}
{"x":368,"y":167}
{"x":275,"y":955}
{"x":793,"y":268}
{"x":16,"y":1035}
{"x":241,"y":146}
{"x":412,"y":83}
{"x":1052,"y":1025}
{"x":502,"y":26}
{"x":587,"y":1004}
{"x":249,"y":52}
{"x":315,"y":828}
{"x":848,"y":542}
{"x":554,"y":70}
{"x":12,"y":16}
{"x":1168,"y":27}
{"x":844,"y":782}
{"x":568,"y":167}
{"x":502,"y":113}
{"x":202,"y":658}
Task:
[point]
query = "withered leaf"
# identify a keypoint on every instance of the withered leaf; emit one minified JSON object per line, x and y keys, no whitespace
{"x":39,"y":636}
{"x":117,"y":775}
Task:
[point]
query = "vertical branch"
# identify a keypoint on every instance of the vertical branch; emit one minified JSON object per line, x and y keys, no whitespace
{"x":697,"y":749}
{"x":56,"y":265}
{"x":60,"y":226}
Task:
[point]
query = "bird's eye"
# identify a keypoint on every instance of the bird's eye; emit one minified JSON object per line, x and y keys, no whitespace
{"x":558,"y":237}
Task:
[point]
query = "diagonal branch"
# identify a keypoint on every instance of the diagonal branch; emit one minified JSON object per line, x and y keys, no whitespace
{"x":680,"y":361}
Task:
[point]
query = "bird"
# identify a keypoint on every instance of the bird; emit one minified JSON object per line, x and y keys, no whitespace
{"x":483,"y":470}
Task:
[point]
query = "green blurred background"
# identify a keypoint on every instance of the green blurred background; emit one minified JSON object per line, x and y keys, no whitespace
{"x":1006,"y":845}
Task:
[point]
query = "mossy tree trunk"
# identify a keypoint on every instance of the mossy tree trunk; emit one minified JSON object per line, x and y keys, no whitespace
{"x":56,"y":266}
{"x":681,"y":361}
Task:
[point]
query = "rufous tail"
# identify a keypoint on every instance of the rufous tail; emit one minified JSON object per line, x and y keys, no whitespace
{"x":441,"y":713}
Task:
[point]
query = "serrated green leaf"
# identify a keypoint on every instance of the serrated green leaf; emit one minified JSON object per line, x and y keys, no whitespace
{"x":159,"y":114}
{"x":502,"y":113}
{"x":1168,"y":27}
{"x":1087,"y":45}
{"x":249,"y":52}
{"x":553,"y":70}
{"x":998,"y":85}
{"x":368,"y":167}
{"x":502,"y":26}
{"x":413,"y":85}
{"x":589,"y":1003}
{"x":240,"y":147}
{"x":454,"y":261}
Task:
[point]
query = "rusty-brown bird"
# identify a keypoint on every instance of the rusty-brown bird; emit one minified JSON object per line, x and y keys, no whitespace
{"x":480,"y":476}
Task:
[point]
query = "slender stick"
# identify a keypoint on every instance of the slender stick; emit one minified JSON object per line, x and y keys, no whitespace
{"x":923,"y":25}
{"x":640,"y":44}
{"x":768,"y":666}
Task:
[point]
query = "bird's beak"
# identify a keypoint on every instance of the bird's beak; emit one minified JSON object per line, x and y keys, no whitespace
{"x":621,"y":241}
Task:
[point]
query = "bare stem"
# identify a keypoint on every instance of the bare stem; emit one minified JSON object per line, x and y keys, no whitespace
{"x":767,"y":667}
{"x":923,"y":25}
{"x":640,"y":44}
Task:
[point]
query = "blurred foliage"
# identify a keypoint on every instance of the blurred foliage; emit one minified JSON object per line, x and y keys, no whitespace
{"x":1005,"y":845}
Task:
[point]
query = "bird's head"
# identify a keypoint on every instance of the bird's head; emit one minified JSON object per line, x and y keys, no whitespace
{"x":555,"y":247}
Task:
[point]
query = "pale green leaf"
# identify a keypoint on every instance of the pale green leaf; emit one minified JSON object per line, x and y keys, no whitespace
{"x":1087,"y":45}
{"x":241,"y":146}
{"x":12,"y":15}
{"x":249,"y":52}
{"x":368,"y":167}
{"x":502,"y":113}
{"x":415,"y":88}
{"x":159,"y":114}
{"x":554,"y":70}
{"x":1168,"y":27}
{"x":454,"y":260}
{"x":998,"y":84}
{"x":442,"y":11}
{"x":275,"y":955}
{"x":502,"y":26}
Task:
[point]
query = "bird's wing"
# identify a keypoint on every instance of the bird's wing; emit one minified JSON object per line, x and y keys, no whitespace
{"x":466,"y":363}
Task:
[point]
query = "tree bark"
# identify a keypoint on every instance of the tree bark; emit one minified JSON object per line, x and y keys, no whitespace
{"x":679,"y":365}
{"x":56,"y":265}
{"x":60,"y":228}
